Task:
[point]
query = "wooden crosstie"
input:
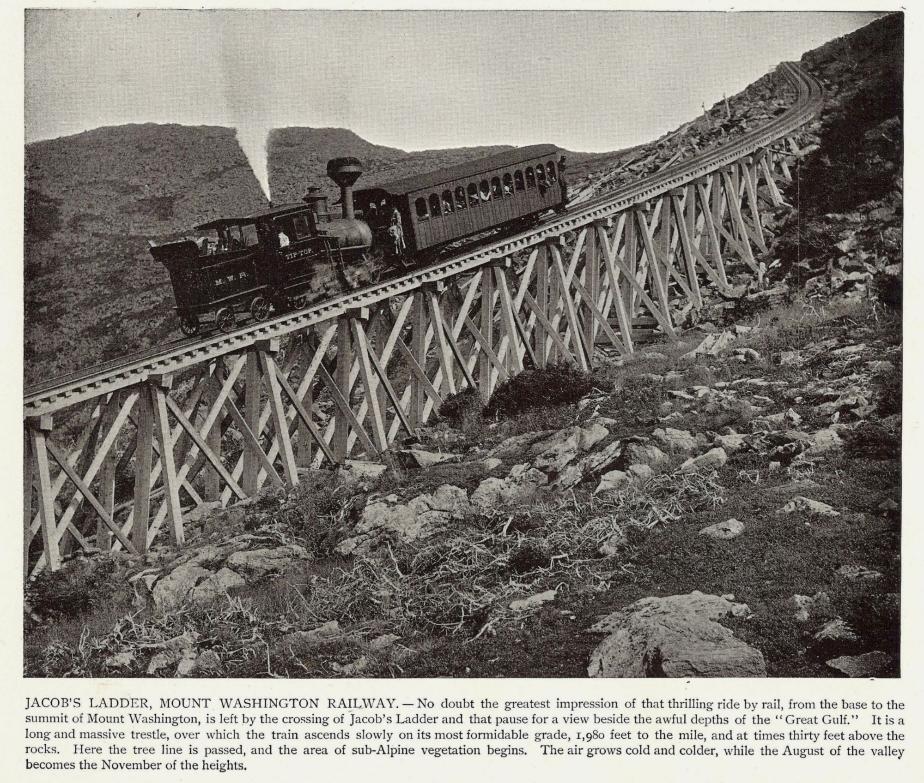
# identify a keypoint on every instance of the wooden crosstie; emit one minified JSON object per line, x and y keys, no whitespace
{"x":116,"y":470}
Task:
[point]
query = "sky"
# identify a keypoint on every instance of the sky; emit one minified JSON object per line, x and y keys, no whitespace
{"x":587,"y":81}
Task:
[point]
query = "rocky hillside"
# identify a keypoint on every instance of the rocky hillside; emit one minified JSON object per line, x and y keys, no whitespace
{"x":729,"y":505}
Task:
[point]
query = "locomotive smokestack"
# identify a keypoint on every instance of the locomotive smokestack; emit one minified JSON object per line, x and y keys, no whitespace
{"x":345,"y":171}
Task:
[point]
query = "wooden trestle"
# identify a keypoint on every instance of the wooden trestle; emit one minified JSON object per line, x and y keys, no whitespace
{"x":126,"y":465}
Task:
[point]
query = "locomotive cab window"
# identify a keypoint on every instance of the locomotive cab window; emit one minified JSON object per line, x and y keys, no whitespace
{"x":460,"y":197}
{"x":508,"y":186}
{"x":421,"y":207}
{"x":530,"y":177}
{"x":434,"y":205}
{"x":249,"y":234}
{"x":447,"y":202}
{"x":518,"y":180}
{"x":473,"y":195}
{"x":301,"y":228}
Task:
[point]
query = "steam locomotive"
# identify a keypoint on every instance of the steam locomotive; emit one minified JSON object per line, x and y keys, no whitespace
{"x":290,"y":256}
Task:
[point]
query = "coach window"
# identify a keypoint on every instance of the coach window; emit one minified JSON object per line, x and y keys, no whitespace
{"x":540,"y":175}
{"x":508,"y":185}
{"x":518,"y":180}
{"x":460,"y":197}
{"x":421,"y":206}
{"x":447,"y":202}
{"x":551,"y":169}
{"x":485,"y":190}
{"x":434,"y":205}
{"x":530,"y":177}
{"x":495,"y":188}
{"x":473,"y":195}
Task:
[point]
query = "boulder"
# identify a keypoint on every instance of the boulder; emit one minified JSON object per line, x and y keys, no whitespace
{"x":172,"y":590}
{"x":217,"y":585}
{"x":676,"y":441}
{"x":418,"y":518}
{"x":856,"y":573}
{"x":711,"y":460}
{"x":712,"y":345}
{"x":517,"y":445}
{"x":675,"y":636}
{"x":354,"y":471}
{"x":425,"y":459}
{"x":258,"y":563}
{"x":207,"y":663}
{"x":836,"y":631}
{"x":807,"y":506}
{"x":557,"y":450}
{"x":871,"y":664}
{"x":640,"y":472}
{"x":824,"y":441}
{"x":817,"y":606}
{"x":614,"y":480}
{"x":533,"y":602}
{"x":521,"y":485}
{"x":645,"y":454}
{"x":587,"y":466}
{"x":730,"y":443}
{"x":723,"y":531}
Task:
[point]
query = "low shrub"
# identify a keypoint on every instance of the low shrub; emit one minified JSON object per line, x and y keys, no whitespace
{"x":559,"y":384}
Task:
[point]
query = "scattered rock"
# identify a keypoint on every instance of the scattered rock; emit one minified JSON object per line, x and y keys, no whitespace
{"x":418,"y":518}
{"x":730,"y":443}
{"x":424,"y":459}
{"x":207,"y":662}
{"x":824,"y":441}
{"x":711,"y":460}
{"x":521,"y":485}
{"x":534,"y":601}
{"x":587,"y":466}
{"x":806,"y":505}
{"x":517,"y":445}
{"x":836,"y":631}
{"x":217,"y":585}
{"x":172,"y":590}
{"x":491,"y":463}
{"x":856,"y":573}
{"x":258,"y":563}
{"x":614,"y":542}
{"x":641,"y":472}
{"x":383,"y":642}
{"x":354,"y":471}
{"x":712,"y":345}
{"x":645,"y":454}
{"x":818,"y":606}
{"x":560,"y":448}
{"x":723,"y":531}
{"x":676,"y":636}
{"x":677,"y":441}
{"x":614,"y":480}
{"x":870,"y":664}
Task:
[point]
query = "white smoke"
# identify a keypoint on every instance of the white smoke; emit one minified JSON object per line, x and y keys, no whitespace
{"x":253,"y":138}
{"x":249,"y":83}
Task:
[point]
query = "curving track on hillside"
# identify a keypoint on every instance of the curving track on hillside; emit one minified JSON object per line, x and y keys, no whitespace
{"x":129,"y":370}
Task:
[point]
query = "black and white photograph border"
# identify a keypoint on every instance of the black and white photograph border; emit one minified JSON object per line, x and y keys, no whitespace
{"x":576,"y":353}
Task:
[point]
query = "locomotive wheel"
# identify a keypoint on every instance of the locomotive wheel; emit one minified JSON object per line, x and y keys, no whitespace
{"x":259,"y":308}
{"x":189,"y":325}
{"x":225,"y":319}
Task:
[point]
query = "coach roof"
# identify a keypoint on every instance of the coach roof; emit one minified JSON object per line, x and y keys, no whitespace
{"x":467,"y":170}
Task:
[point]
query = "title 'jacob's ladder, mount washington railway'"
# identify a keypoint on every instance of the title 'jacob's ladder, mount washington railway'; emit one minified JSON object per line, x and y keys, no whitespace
{"x":143,"y":439}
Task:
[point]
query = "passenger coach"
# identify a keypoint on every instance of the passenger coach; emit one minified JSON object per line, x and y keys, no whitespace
{"x":442,"y":206}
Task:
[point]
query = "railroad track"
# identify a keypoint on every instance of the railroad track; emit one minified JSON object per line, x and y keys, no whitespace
{"x":133,"y":369}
